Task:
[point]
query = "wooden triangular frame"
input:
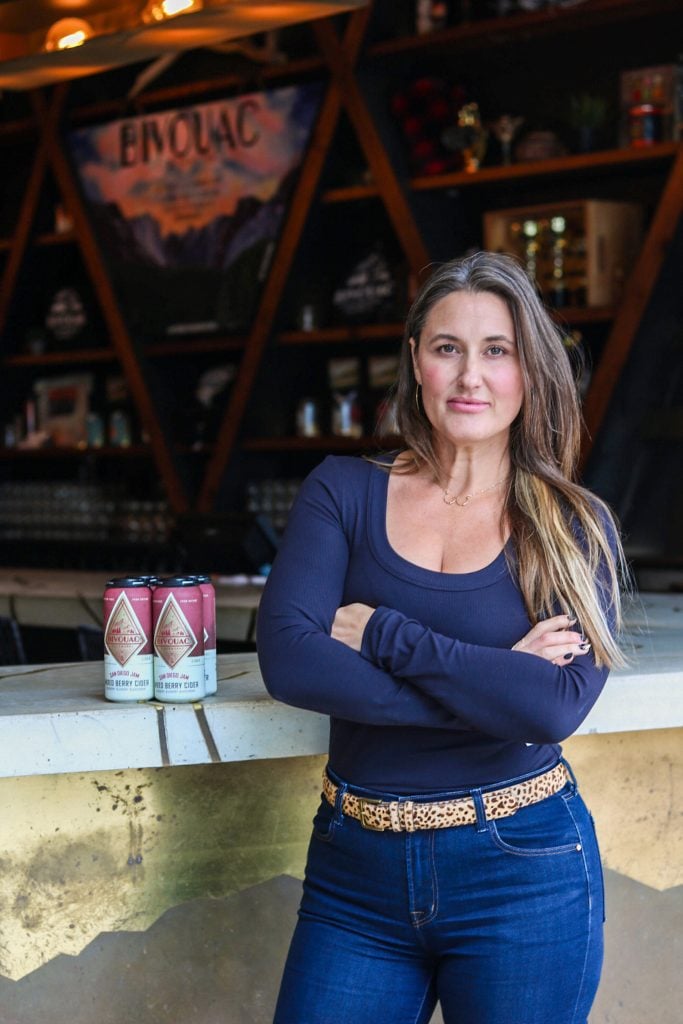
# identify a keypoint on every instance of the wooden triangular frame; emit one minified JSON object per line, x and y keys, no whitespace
{"x":50,"y":155}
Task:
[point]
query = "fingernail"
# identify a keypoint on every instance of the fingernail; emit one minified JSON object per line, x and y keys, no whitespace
{"x":585,"y":646}
{"x":568,"y":656}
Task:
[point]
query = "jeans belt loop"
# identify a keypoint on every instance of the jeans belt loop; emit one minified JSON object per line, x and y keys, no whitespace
{"x":570,"y":774}
{"x":339,"y":802}
{"x":480,"y":810}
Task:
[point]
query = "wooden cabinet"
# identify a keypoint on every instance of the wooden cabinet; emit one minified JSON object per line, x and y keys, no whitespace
{"x":355,"y":188}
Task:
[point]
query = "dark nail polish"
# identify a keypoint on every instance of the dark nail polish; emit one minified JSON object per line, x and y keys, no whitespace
{"x":568,"y":656}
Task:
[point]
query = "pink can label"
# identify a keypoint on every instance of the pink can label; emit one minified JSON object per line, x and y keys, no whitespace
{"x":128,"y":668}
{"x":178,"y":644}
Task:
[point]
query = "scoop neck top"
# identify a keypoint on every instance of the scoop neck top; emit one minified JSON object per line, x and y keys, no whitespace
{"x":403,"y":568}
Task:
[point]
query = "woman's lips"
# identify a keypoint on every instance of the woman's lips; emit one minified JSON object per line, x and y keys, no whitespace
{"x":466,"y":405}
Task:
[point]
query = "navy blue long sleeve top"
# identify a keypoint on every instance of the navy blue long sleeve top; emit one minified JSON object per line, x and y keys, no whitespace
{"x":436,"y":699}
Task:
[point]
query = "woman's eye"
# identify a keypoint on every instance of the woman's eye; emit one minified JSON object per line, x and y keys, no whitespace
{"x":447,"y":347}
{"x":496,"y":350}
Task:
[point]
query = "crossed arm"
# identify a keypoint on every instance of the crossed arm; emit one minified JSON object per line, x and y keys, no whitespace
{"x":551,"y":639}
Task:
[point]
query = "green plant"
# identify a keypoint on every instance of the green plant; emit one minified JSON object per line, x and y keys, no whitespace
{"x":587,"y":110}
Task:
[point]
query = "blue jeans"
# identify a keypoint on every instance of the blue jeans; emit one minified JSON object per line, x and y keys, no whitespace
{"x":499,"y":921}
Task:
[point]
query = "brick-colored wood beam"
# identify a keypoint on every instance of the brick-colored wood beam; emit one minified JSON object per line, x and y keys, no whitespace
{"x":120,"y":337}
{"x":299,"y":209}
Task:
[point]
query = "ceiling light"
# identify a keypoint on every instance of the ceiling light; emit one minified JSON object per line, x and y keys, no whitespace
{"x":115,"y":34}
{"x":67,"y":33}
{"x":160,"y":10}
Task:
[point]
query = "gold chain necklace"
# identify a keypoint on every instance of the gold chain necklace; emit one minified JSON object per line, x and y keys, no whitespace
{"x":454,"y":499}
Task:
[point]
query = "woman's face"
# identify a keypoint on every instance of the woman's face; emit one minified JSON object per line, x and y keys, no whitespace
{"x":468,"y":365}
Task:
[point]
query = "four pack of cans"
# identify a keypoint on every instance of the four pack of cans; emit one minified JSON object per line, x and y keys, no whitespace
{"x":159,"y":638}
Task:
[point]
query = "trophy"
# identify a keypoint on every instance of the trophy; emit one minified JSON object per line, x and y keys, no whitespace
{"x":468,"y":136}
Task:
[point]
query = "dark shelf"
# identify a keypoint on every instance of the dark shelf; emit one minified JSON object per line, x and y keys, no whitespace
{"x":134,"y":451}
{"x":327,"y":442}
{"x":488,"y":32}
{"x":350,"y":332}
{"x":75,"y":355}
{"x":575,"y":163}
{"x":107,"y":355}
{"x":57,"y":238}
{"x":196,"y":345}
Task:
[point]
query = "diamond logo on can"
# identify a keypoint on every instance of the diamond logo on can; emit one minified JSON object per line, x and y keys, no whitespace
{"x":173,"y":636}
{"x":124,"y":636}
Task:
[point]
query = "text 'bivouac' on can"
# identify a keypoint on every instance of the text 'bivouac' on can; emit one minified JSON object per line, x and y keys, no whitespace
{"x":128,"y":665}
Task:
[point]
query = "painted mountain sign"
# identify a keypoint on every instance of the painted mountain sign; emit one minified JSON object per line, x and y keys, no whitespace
{"x":187,"y":204}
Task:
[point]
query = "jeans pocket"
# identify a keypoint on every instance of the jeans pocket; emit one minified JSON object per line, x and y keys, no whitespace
{"x":324,"y":823}
{"x":545,"y":829}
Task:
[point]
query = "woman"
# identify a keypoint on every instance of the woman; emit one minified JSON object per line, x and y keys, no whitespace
{"x":453,"y":609}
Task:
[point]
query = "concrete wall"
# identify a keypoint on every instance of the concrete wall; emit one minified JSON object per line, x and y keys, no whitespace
{"x":167,"y":895}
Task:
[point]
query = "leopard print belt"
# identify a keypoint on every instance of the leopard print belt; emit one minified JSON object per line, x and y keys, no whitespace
{"x":411,"y":815}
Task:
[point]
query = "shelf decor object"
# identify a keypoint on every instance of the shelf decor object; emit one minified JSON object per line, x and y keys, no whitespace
{"x":63,"y":405}
{"x":589,"y":246}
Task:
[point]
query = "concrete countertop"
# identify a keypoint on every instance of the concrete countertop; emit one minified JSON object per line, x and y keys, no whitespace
{"x":54,"y":718}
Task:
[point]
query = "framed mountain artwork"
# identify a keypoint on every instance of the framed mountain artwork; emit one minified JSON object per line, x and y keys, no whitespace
{"x":188,"y":204}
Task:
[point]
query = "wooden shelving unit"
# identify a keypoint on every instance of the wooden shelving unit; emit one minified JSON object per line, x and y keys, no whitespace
{"x":340,"y":47}
{"x":574,"y":164}
{"x":324,"y":443}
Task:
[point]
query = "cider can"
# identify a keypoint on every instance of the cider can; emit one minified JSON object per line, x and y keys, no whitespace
{"x":209,"y":622}
{"x":177,"y":613}
{"x":128,"y":662}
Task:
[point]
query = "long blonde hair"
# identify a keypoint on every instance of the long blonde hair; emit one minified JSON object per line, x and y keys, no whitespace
{"x":564,"y":540}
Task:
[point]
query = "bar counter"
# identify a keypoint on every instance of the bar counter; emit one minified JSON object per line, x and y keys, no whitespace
{"x":53,"y":718}
{"x":152,"y":854}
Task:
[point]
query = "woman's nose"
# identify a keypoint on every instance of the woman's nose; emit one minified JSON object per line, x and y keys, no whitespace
{"x":469,"y":374}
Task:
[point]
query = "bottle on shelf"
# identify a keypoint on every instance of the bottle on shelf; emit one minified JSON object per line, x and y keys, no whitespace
{"x":430,"y":16}
{"x":346,"y":419}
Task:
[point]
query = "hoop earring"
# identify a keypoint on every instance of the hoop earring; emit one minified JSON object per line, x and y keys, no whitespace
{"x":417,"y":399}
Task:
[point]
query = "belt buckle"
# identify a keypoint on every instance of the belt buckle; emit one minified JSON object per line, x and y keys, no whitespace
{"x":363,"y":802}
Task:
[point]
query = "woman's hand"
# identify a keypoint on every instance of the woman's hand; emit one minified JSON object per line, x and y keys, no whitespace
{"x":553,"y":640}
{"x":349,"y":624}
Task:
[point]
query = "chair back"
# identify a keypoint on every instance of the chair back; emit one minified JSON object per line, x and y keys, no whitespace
{"x":11,"y":644}
{"x":90,"y":642}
